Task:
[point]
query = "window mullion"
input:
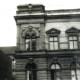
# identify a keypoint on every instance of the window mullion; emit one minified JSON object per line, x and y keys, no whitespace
{"x":53,"y":44}
{"x":30,"y":44}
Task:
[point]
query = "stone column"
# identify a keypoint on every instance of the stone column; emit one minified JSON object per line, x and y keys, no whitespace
{"x":18,"y":36}
{"x":42,"y":36}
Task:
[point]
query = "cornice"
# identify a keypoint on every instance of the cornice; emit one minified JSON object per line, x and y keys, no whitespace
{"x":47,"y":54}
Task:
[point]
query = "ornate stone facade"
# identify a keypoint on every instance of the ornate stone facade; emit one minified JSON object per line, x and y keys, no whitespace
{"x":48,"y":43}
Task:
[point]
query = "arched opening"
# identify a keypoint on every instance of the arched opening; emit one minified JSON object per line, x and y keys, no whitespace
{"x":55,"y":72}
{"x":31,"y":71}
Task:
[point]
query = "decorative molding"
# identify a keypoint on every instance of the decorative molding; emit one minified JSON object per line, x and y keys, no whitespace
{"x":72,"y":30}
{"x":53,"y":32}
{"x":30,"y":32}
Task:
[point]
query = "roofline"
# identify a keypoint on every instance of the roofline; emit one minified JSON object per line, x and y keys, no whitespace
{"x":26,"y":5}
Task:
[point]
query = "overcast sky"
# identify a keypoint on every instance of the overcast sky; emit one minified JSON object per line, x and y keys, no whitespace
{"x":8,"y":10}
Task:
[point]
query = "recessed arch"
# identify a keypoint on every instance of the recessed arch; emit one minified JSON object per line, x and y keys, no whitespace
{"x":30,"y":69}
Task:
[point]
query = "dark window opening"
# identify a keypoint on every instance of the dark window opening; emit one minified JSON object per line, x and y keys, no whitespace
{"x":31,"y":71}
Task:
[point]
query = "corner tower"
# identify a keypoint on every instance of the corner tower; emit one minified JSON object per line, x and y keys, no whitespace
{"x":30,"y":27}
{"x":30,"y":42}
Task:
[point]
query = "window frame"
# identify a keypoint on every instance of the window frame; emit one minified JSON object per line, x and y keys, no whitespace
{"x":54,"y":42}
{"x":55,"y":70}
{"x":30,"y":45}
{"x":73,"y":41}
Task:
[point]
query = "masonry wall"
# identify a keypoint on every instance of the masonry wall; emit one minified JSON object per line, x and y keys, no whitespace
{"x":61,"y":25}
{"x":21,"y":27}
{"x":43,"y":23}
{"x":43,"y":67}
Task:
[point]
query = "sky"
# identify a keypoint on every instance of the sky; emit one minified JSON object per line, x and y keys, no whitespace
{"x":8,"y":29}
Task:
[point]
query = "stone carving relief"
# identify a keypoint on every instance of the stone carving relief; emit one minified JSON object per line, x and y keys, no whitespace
{"x":30,"y":31}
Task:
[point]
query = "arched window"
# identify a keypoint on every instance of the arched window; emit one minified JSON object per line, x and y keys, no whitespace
{"x":75,"y":71}
{"x":30,"y":35}
{"x":55,"y":72}
{"x":31,"y":71}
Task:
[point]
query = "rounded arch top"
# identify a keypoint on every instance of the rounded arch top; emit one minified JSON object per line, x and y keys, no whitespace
{"x":55,"y":66}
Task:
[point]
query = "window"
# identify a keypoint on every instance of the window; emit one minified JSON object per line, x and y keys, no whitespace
{"x":73,"y":37}
{"x":78,"y":74}
{"x":53,"y":38}
{"x":31,"y":71}
{"x":30,"y":35}
{"x":55,"y":72}
{"x":73,"y":42}
{"x":75,"y":71}
{"x":73,"y":74}
{"x":30,"y":44}
{"x":53,"y":42}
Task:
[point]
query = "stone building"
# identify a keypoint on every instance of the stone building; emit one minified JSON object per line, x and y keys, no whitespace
{"x":48,"y":44}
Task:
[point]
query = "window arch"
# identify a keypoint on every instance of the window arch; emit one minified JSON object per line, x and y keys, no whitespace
{"x":31,"y":71}
{"x":55,"y":72}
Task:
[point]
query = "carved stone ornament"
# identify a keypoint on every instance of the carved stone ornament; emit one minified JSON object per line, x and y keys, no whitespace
{"x":30,"y":32}
{"x":72,"y":30}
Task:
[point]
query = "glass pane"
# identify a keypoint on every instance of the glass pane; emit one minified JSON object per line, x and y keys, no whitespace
{"x":78,"y":71}
{"x":57,"y":78}
{"x":56,"y":45}
{"x":27,"y":43}
{"x":27,"y":75}
{"x":75,"y":45}
{"x":55,"y":38}
{"x":51,"y":38}
{"x":78,"y":74}
{"x":58,"y":73}
{"x":30,"y":75}
{"x":33,"y":44}
{"x":57,"y":66}
{"x":71,"y":44}
{"x":73,"y":74}
{"x":75,"y":38}
{"x":70,"y":38}
{"x":77,"y":65}
{"x":73,"y":78}
{"x":51,"y":46}
{"x":53,"y":66}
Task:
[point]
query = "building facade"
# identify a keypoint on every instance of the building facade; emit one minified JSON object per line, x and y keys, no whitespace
{"x":48,"y":44}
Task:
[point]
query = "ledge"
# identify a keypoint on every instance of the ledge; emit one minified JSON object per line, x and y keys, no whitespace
{"x":47,"y":54}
